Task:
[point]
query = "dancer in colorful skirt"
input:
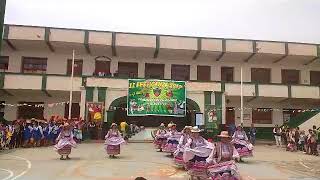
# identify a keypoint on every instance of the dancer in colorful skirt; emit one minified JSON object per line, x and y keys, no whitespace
{"x":221,"y":160}
{"x":178,"y":154}
{"x":173,"y":140}
{"x":161,"y":137}
{"x":65,"y":142}
{"x":197,"y":150}
{"x":113,"y":141}
{"x":241,"y":143}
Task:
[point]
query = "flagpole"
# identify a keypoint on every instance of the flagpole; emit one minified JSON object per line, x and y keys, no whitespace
{"x":71,"y":85}
{"x":241,"y":95}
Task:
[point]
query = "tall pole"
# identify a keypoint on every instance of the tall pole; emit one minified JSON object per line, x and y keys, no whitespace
{"x":241,"y":95}
{"x":71,"y":85}
{"x":2,"y":13}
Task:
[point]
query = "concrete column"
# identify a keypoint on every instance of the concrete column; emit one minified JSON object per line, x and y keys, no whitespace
{"x":16,"y":66}
{"x":216,"y":72}
{"x":223,"y":116}
{"x":193,"y":72}
{"x":114,"y":65}
{"x":83,"y":102}
{"x":276,"y":75}
{"x":141,"y":69}
{"x":305,"y":76}
{"x":95,"y":94}
{"x":167,"y":71}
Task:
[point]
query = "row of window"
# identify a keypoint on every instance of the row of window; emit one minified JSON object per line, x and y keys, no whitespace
{"x":262,"y":115}
{"x":156,"y":71}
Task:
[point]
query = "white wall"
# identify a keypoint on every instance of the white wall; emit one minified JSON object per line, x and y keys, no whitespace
{"x":57,"y":64}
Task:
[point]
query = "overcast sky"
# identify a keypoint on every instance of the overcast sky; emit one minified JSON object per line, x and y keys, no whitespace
{"x":280,"y":20}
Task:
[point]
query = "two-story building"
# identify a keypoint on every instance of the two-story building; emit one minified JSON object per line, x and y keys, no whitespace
{"x":281,"y":79}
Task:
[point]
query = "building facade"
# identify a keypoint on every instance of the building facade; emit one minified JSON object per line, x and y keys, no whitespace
{"x":281,"y":79}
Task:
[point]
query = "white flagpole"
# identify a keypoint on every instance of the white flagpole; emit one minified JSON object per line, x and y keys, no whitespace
{"x":241,"y":94}
{"x":71,"y":85}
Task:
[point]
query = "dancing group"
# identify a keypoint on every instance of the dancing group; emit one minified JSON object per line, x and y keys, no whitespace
{"x":65,"y":141}
{"x":201,"y":158}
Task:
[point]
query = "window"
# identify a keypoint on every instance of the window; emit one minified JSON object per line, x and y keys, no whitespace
{"x":290,"y":76}
{"x":127,"y":70}
{"x":77,"y":69}
{"x":262,"y":116}
{"x":315,"y":78}
{"x":180,"y":72}
{"x":203,"y":73}
{"x":290,"y":113}
{"x":102,"y":68}
{"x":154,"y":71}
{"x":260,"y":75}
{"x":4,"y":63}
{"x":34,"y":65}
{"x":31,"y":110}
{"x":227,"y":74}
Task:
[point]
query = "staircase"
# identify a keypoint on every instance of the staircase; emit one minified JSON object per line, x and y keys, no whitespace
{"x":315,"y":120}
{"x":305,"y":119}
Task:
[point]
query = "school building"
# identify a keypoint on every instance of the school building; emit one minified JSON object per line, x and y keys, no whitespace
{"x":280,"y":79}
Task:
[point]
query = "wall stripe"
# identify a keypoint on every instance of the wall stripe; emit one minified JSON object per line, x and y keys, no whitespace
{"x":89,"y":94}
{"x":156,"y":52}
{"x":113,"y":44}
{"x":2,"y":77}
{"x":102,"y":94}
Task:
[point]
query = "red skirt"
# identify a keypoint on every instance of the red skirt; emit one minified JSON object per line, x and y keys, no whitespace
{"x":113,"y":150}
{"x":65,"y":151}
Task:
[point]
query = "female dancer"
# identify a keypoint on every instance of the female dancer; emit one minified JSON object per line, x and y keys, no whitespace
{"x":178,"y":154}
{"x":113,"y":141}
{"x":161,"y":138}
{"x":65,"y":142}
{"x":196,"y":152}
{"x":173,"y":140}
{"x":221,"y":159}
{"x":241,"y":143}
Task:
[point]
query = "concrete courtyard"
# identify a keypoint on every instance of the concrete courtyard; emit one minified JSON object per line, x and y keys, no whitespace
{"x":89,"y":161}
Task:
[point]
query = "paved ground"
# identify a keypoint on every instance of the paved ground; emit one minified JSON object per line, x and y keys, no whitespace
{"x":89,"y":161}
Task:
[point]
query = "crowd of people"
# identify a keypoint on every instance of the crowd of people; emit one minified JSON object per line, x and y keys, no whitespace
{"x":28,"y":133}
{"x":204,"y":158}
{"x":294,"y":139}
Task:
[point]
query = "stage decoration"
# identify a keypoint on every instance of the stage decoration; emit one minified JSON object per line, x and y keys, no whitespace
{"x":156,"y":97}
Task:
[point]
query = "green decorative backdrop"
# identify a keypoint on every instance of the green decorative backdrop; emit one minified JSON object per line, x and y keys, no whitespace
{"x":156,"y":97}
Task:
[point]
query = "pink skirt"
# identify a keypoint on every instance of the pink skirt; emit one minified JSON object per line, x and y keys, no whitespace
{"x":66,"y":150}
{"x":224,"y":170}
{"x":198,"y":169}
{"x":178,"y":160}
{"x":113,"y":149}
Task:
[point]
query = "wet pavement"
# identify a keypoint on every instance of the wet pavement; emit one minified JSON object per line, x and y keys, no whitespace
{"x":89,"y":161}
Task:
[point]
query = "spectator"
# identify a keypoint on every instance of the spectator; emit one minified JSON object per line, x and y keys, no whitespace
{"x":92,"y":129}
{"x":231,"y":129}
{"x":301,"y":143}
{"x":252,"y":134}
{"x":277,"y":135}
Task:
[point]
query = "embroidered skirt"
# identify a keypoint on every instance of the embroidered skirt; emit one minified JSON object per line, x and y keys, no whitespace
{"x":178,"y":160}
{"x":160,"y":143}
{"x":171,"y":146}
{"x":66,"y":150}
{"x":113,"y":149}
{"x":224,"y":170}
{"x":197,"y":167}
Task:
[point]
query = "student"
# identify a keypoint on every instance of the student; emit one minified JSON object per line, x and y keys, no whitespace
{"x":113,"y":141}
{"x":277,"y":135}
{"x":65,"y":142}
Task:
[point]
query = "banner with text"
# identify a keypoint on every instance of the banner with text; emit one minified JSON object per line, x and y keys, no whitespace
{"x":156,"y":97}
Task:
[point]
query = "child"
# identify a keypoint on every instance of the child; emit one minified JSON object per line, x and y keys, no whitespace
{"x":301,"y":141}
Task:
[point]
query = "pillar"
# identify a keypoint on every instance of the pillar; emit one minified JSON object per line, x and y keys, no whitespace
{"x":167,"y":71}
{"x":141,"y":69}
{"x":82,"y":102}
{"x":193,"y":72}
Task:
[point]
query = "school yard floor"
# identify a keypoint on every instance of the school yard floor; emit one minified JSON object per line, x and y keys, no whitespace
{"x":90,"y":162}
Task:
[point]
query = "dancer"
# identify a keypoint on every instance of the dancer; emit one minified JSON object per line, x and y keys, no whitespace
{"x":65,"y":142}
{"x":241,"y":143}
{"x":221,"y":159}
{"x":178,"y":154}
{"x":197,"y":150}
{"x":161,"y":137}
{"x":113,"y":141}
{"x":173,"y":140}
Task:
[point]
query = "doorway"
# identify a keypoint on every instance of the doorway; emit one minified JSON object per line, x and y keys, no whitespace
{"x":230,"y":115}
{"x":75,"y":110}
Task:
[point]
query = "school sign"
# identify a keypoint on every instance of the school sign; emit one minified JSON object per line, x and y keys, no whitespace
{"x":156,"y":97}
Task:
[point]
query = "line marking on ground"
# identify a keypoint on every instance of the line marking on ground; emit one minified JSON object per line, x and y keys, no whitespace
{"x":29,"y":165}
{"x":8,"y":171}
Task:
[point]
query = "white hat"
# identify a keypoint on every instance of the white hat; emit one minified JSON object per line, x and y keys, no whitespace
{"x":195,"y":129}
{"x":162,"y":124}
